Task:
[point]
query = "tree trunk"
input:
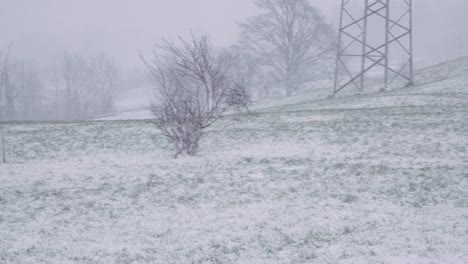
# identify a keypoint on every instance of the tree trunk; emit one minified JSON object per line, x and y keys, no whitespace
{"x":2,"y":132}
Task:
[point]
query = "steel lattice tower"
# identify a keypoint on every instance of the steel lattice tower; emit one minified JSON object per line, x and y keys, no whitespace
{"x":372,"y":40}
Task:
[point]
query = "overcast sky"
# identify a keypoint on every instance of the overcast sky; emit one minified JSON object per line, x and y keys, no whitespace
{"x":43,"y":29}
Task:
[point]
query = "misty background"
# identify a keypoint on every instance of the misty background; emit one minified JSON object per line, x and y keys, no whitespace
{"x":43,"y":31}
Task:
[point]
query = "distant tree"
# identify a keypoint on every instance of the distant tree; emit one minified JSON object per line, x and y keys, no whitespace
{"x":244,"y":70}
{"x":291,"y":41}
{"x":75,"y":74}
{"x":29,"y":90}
{"x":6,"y":93}
{"x":193,"y":89}
{"x":104,"y":79}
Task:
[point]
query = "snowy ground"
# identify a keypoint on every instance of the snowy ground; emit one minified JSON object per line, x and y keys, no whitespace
{"x":377,"y":178}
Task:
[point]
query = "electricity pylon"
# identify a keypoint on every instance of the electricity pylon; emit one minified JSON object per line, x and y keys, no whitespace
{"x":374,"y":39}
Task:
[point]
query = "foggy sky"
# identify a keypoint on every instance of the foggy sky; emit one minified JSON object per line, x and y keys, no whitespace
{"x":44,"y":29}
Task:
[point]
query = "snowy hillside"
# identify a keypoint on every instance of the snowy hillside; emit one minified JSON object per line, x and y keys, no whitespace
{"x":133,"y":105}
{"x":374,"y":178}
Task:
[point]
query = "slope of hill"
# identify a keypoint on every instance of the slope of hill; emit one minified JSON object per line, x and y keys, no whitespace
{"x":133,"y":104}
{"x":375,"y":178}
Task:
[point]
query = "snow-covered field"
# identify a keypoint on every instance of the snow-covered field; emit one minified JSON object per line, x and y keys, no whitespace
{"x":376,"y":178}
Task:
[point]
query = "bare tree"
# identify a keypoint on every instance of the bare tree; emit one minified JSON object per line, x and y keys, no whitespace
{"x":292,"y":42}
{"x":104,"y":82}
{"x":5,"y":97}
{"x":193,"y":90}
{"x":244,"y":71}
{"x":75,"y":75}
{"x":26,"y":104}
{"x":56,"y":82}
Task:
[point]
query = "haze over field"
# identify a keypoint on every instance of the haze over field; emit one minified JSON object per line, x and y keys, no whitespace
{"x":123,"y":28}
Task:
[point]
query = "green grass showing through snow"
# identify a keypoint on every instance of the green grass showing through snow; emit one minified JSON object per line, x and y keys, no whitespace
{"x":367,"y":179}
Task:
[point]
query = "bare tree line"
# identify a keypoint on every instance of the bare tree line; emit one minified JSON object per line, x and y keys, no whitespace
{"x":76,"y":87}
